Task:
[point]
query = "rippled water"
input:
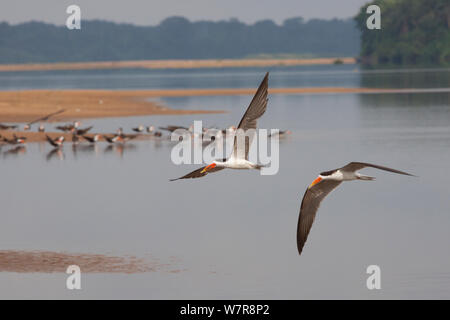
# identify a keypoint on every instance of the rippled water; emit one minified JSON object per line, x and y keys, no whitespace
{"x":232,"y":234}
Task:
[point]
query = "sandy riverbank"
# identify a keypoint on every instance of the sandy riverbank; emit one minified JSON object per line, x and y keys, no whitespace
{"x":28,"y":105}
{"x":172,"y":64}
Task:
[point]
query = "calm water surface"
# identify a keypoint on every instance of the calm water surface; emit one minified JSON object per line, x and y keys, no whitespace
{"x":233,"y":233}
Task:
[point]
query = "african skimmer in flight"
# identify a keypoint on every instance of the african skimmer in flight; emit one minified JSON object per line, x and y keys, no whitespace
{"x":321,"y":187}
{"x":239,"y":159}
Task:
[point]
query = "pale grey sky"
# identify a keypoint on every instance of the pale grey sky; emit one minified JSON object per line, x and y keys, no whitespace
{"x":151,"y":12}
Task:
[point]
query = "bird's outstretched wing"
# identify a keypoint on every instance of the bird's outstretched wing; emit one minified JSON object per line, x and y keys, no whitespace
{"x":310,"y":204}
{"x":108,"y":139}
{"x":355,"y":166}
{"x":50,"y":140}
{"x":45,"y":118}
{"x":255,"y":110}
{"x":89,"y":139}
{"x":83,"y":131}
{"x":198,"y":173}
{"x":173,"y":128}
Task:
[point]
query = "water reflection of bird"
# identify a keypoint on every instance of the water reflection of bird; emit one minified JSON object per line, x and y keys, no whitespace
{"x":75,"y":139}
{"x":119,"y":149}
{"x":15,"y":151}
{"x":239,"y":156}
{"x":57,"y":142}
{"x":86,"y":148}
{"x":321,"y":187}
{"x":56,"y":152}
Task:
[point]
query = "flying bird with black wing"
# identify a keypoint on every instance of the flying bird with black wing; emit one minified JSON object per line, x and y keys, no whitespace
{"x":322,"y":186}
{"x":239,"y":157}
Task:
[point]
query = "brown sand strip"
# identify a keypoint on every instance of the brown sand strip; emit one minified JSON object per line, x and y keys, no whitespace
{"x":27,"y":105}
{"x":172,"y":64}
{"x":48,"y":262}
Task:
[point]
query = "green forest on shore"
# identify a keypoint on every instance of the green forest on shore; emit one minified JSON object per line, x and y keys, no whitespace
{"x":413,"y":32}
{"x":177,"y":38}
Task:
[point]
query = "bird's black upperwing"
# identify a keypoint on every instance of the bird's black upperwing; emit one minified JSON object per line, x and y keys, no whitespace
{"x":89,"y":139}
{"x":355,"y":166}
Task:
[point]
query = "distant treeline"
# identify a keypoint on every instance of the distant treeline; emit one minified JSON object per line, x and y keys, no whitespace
{"x":412,"y":32}
{"x":176,"y":38}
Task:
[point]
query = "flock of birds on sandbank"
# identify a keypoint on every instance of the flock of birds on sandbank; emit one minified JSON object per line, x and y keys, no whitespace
{"x":81,"y":135}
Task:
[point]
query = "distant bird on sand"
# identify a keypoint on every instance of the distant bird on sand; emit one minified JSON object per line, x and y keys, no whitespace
{"x":138,"y":129}
{"x":83,"y":131}
{"x":15,"y":140}
{"x":57,"y":142}
{"x":173,"y":128}
{"x":151,"y":130}
{"x":93,"y":139}
{"x":321,"y":187}
{"x":239,"y":157}
{"x":7,"y":126}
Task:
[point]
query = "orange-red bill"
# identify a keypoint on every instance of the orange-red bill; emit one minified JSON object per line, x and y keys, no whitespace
{"x":315,"y":182}
{"x":209,"y":167}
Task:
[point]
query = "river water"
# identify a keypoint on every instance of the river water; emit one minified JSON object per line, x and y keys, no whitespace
{"x":232,"y":234}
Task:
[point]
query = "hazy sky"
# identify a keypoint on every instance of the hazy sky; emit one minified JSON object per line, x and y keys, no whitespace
{"x":151,"y":12}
